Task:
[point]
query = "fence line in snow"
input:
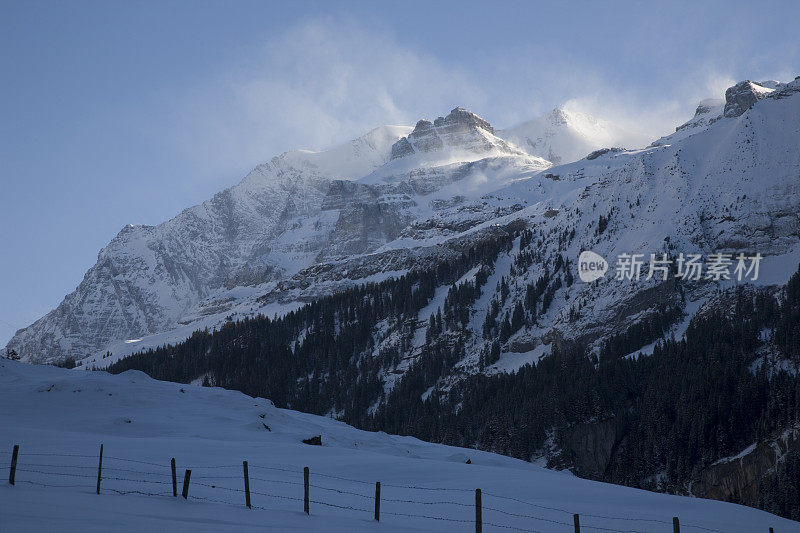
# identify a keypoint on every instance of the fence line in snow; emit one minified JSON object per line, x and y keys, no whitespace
{"x":109,"y":470}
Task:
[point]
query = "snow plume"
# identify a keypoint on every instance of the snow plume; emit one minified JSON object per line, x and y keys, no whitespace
{"x":319,"y":84}
{"x":325,"y":81}
{"x":649,"y":114}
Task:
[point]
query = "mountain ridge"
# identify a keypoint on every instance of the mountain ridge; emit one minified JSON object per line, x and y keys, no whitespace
{"x":291,"y":214}
{"x":185,"y":263}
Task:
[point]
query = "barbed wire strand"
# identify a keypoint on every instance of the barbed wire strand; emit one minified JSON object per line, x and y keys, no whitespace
{"x":407,"y":515}
{"x":40,"y":484}
{"x":113,"y":458}
{"x":25,"y":463}
{"x":511,"y":527}
{"x":23,"y":454}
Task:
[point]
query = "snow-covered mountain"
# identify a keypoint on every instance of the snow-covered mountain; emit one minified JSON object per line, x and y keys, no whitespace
{"x":298,"y":210}
{"x":310,"y":224}
{"x":148,"y":278}
{"x":59,"y":418}
{"x":566,"y":135}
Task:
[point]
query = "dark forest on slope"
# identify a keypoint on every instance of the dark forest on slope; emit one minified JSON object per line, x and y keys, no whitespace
{"x":664,"y":417}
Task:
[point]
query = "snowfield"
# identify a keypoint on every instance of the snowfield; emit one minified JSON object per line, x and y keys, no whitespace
{"x":59,"y":418}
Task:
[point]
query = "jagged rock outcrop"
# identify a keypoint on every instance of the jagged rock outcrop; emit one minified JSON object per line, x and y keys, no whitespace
{"x":602,"y":152}
{"x":590,"y":447}
{"x":737,"y":479}
{"x":706,"y":113}
{"x":742,"y":96}
{"x":459,"y":130}
{"x":366,"y":219}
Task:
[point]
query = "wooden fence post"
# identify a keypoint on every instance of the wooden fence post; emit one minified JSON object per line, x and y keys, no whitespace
{"x":174,"y":478}
{"x":577,"y":519}
{"x":377,"y":501}
{"x":305,"y":490}
{"x":676,"y":525}
{"x":100,"y":469}
{"x":186,"y":477}
{"x":478,"y":515}
{"x":13,"y":472}
{"x":246,"y":484}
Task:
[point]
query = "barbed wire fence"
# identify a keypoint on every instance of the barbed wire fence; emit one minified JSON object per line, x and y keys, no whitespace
{"x":278,"y":486}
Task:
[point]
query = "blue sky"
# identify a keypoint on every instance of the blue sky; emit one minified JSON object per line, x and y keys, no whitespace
{"x":126,"y":112}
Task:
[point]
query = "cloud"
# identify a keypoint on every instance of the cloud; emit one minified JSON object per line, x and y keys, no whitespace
{"x":325,"y":81}
{"x":651,"y":113}
{"x":319,"y":84}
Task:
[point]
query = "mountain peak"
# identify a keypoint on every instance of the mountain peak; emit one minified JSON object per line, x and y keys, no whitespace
{"x":460,"y":129}
{"x":743,"y":95}
{"x":709,"y":105}
{"x":564,"y":135}
{"x":563,"y":116}
{"x":462,"y":120}
{"x":459,"y":120}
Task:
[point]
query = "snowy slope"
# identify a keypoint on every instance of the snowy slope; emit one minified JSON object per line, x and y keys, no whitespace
{"x":355,"y":158}
{"x":59,"y":418}
{"x":732,"y":186}
{"x":708,"y":111}
{"x":565,"y":135}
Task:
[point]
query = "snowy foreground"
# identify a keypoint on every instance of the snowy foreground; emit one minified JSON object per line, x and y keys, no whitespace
{"x":59,"y":418}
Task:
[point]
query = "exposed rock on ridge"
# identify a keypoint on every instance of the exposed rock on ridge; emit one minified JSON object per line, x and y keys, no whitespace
{"x":460,"y":129}
{"x":742,"y":96}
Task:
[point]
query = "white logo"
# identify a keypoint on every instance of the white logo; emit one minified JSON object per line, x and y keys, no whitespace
{"x":591,"y":266}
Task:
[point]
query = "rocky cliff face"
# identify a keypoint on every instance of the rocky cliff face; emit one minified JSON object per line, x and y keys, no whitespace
{"x":148,"y":277}
{"x":743,"y":95}
{"x":738,"y":479}
{"x":589,"y":448}
{"x":460,"y":130}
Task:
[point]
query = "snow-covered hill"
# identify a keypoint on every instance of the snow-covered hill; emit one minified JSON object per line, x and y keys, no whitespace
{"x":59,"y":418}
